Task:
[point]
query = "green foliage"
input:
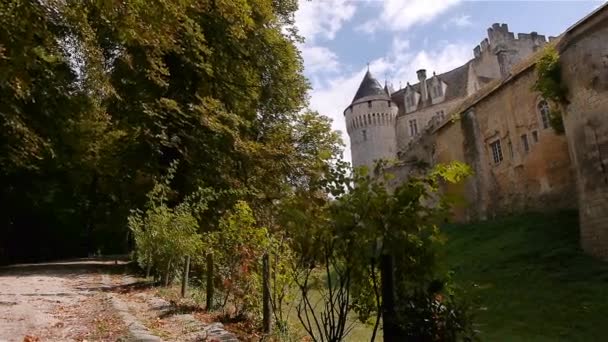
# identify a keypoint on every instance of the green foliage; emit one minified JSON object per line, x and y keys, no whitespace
{"x":549,"y":78}
{"x":345,"y":237}
{"x":549,"y":84}
{"x":99,"y":98}
{"x":165,"y":235}
{"x":283,"y":261}
{"x":556,"y":121}
{"x":238,"y":246}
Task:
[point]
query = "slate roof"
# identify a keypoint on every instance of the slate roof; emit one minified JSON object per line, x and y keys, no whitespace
{"x":369,"y":87}
{"x":455,"y":79}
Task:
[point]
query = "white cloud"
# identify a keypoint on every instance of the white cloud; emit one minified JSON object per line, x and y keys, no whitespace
{"x":322,"y":18}
{"x":317,"y":21}
{"x":319,"y":59}
{"x":459,"y":21}
{"x":335,"y":84}
{"x":399,"y":15}
{"x":334,"y":95}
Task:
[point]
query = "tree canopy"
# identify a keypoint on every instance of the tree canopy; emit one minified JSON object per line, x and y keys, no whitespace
{"x":99,"y":98}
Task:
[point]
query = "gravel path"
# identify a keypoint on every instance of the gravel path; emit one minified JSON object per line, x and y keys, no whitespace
{"x":59,"y":301}
{"x":92,"y":300}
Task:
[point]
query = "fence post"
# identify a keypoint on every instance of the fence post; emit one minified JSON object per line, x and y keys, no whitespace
{"x":388,"y":299}
{"x":185,"y":276}
{"x":266,"y":310}
{"x":209,"y":282}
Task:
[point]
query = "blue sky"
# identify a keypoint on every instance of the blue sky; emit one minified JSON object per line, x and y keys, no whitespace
{"x":398,"y":37}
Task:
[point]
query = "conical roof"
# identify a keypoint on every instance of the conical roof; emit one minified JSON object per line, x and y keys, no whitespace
{"x":388,"y":89}
{"x":369,"y":87}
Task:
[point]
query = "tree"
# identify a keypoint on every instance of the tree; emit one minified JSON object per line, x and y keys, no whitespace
{"x":165,"y":235}
{"x":100,"y":97}
{"x":344,"y":239}
{"x":238,"y":246}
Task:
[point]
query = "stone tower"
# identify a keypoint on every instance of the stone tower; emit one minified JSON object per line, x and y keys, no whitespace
{"x":370,"y":123}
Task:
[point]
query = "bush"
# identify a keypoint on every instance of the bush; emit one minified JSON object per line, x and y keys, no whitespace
{"x":238,"y":247}
{"x":164,"y":236}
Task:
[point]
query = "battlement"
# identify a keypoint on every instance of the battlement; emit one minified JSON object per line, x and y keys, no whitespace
{"x":499,"y":34}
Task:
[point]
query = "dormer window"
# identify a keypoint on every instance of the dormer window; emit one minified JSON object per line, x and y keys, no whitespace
{"x":410,"y":100}
{"x":437,"y":89}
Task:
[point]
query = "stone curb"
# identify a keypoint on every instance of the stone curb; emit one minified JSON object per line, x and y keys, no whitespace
{"x":213,"y":332}
{"x":137,"y":330}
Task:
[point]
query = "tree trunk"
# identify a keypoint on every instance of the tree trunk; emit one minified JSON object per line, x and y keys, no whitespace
{"x":185,"y":276}
{"x":148,"y":268}
{"x":167,"y":274}
{"x":388,"y":299}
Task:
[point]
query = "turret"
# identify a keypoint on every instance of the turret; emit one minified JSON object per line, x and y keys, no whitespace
{"x":370,"y":123}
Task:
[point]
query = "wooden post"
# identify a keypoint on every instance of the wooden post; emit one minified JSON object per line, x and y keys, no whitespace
{"x":209,"y":282}
{"x":391,"y":331}
{"x":266,"y":309}
{"x":185,"y":276}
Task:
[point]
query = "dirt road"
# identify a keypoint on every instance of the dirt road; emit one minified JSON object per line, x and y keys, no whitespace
{"x":60,"y":301}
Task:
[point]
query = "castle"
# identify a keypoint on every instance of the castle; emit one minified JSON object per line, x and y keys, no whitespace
{"x":486,"y":114}
{"x":381,"y":123}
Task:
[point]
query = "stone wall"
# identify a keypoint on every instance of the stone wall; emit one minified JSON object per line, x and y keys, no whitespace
{"x":584,"y":58}
{"x":536,"y":177}
{"x":422,"y":117}
{"x":553,"y":171}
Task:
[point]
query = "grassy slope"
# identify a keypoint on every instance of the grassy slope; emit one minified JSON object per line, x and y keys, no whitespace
{"x":530,"y":278}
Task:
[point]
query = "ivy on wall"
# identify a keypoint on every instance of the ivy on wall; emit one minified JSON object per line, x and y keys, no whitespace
{"x":549,"y":84}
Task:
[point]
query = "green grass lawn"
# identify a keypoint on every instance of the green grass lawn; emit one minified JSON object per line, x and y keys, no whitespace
{"x":530,"y":279}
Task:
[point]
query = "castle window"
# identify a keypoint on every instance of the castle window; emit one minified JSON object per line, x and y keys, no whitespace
{"x":389,"y":103}
{"x":496,"y":151}
{"x":543,"y":109}
{"x":369,"y":104}
{"x":437,"y":89}
{"x":364,"y":133}
{"x":410,"y":100}
{"x":413,"y":127}
{"x":524,"y":143}
{"x":535,"y":136}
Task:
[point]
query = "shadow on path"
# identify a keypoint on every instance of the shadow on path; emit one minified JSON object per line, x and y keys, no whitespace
{"x":68,"y":267}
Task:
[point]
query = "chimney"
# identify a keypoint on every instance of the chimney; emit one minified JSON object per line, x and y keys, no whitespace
{"x":422,"y":78}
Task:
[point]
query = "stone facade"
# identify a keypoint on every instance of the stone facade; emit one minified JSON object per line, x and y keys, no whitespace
{"x":521,"y":163}
{"x":501,"y":129}
{"x":584,"y":58}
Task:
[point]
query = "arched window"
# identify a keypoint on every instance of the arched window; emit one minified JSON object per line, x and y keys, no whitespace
{"x":543,"y":109}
